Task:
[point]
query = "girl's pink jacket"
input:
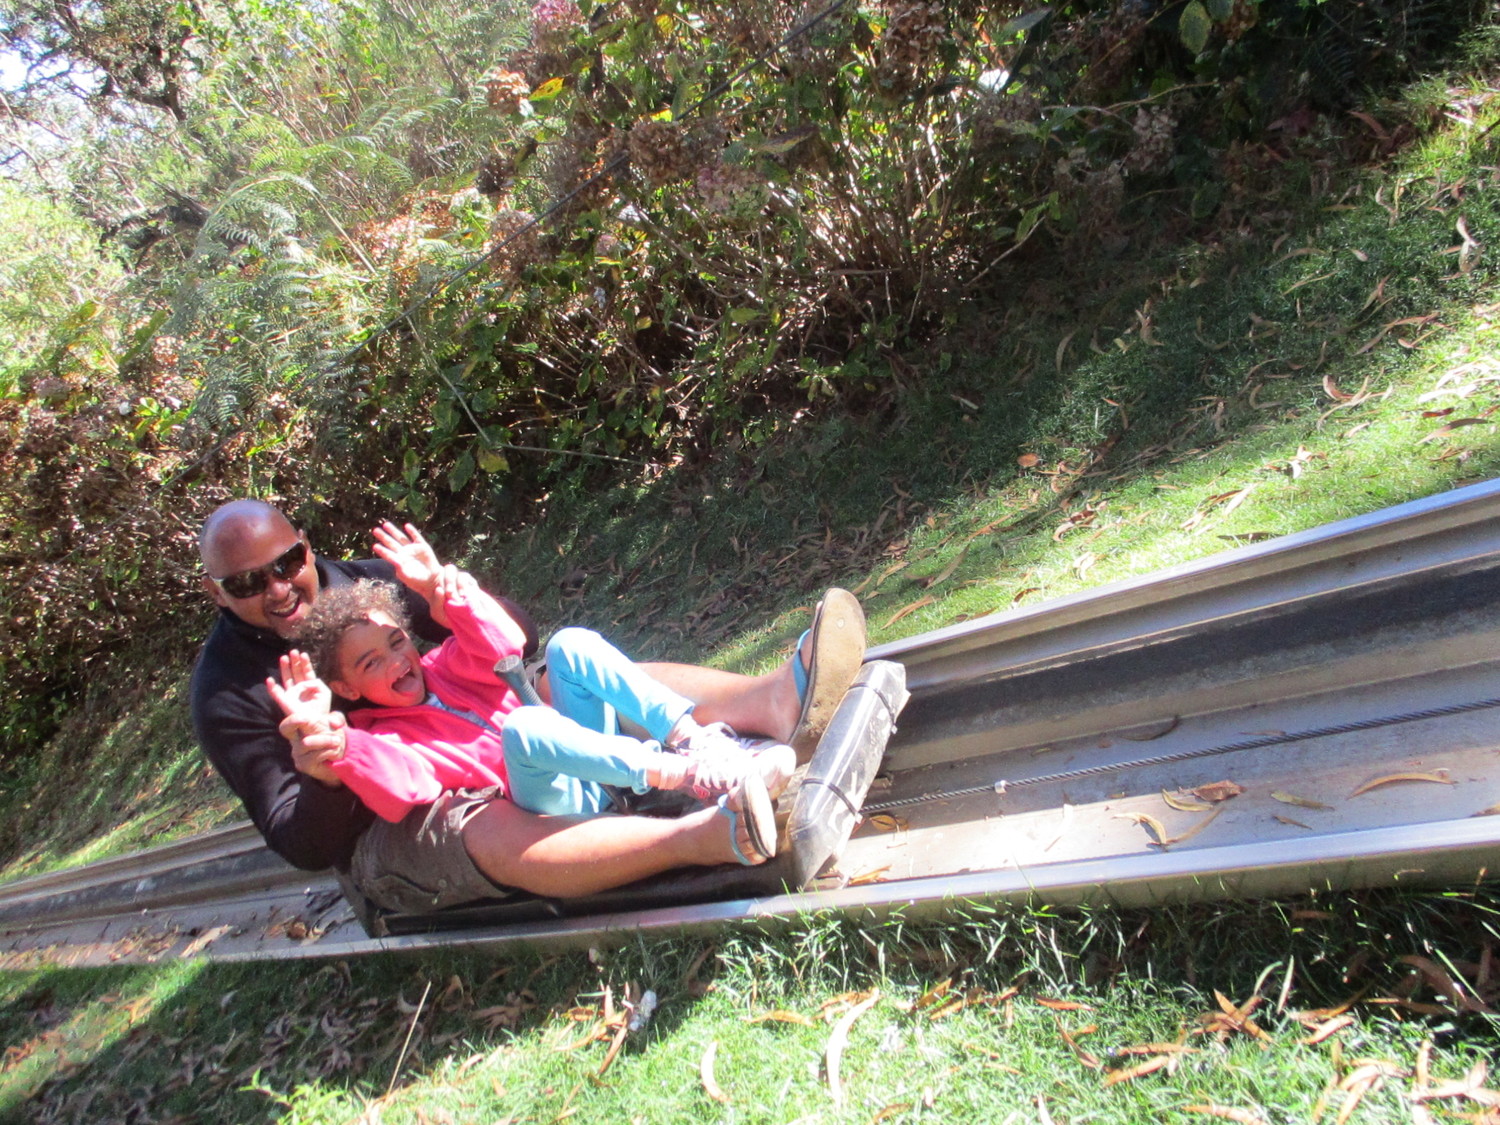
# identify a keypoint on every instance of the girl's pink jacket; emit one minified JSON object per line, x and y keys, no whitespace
{"x":396,"y":758}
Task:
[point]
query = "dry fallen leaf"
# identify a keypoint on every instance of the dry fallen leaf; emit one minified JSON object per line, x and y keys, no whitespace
{"x":1301,"y":802}
{"x":1288,"y":820}
{"x":885,"y":822}
{"x":904,"y":610}
{"x":706,"y":1073}
{"x":947,"y":571}
{"x":208,"y":938}
{"x":1439,"y":776}
{"x":780,"y":1015}
{"x":1182,"y":804}
{"x":1230,"y":1018}
{"x":1218,"y":791}
{"x":1088,"y":1058}
{"x":1191,"y":832}
{"x":1147,"y":821}
{"x":1226,"y":502}
{"x":874,"y":875}
{"x":615,"y":1044}
{"x":1356,"y":1085}
{"x":1081,"y":518}
{"x":1128,"y":1073}
{"x":932,"y":995}
{"x":1457,"y":991}
{"x":1444,"y":431}
{"x":833,"y":1053}
{"x":1063,"y":1005}
{"x":1471,"y":1086}
{"x":1327,"y":1028}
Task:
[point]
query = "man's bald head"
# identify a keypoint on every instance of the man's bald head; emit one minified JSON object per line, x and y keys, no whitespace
{"x":233,"y":521}
{"x":250,"y":535}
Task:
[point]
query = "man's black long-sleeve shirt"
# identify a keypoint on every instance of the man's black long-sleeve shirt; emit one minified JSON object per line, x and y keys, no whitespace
{"x":309,"y":824}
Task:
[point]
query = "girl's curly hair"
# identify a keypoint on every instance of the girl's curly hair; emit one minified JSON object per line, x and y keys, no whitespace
{"x":339,"y":609}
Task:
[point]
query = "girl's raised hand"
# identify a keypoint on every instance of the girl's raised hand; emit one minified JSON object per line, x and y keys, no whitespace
{"x":300,"y":694}
{"x":455,"y":583}
{"x":415,"y":561}
{"x":314,"y":729}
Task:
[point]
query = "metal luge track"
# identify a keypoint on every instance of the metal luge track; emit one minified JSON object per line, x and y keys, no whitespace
{"x":1300,"y":669}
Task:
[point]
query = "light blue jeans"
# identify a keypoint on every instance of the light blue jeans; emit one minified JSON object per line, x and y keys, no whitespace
{"x":558,"y":758}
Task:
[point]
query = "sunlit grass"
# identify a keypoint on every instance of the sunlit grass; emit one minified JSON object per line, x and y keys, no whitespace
{"x":991,"y":1015}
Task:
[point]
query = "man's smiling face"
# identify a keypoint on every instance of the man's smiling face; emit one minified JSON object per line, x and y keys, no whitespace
{"x":258,"y":548}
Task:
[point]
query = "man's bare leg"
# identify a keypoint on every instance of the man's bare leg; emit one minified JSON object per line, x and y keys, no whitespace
{"x":565,"y":856}
{"x":765,"y":705}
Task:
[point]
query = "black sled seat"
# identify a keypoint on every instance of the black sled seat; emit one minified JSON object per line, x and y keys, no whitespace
{"x":825,"y":812}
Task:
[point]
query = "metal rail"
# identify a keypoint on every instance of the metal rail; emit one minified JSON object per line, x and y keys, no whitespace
{"x":1332,"y":636}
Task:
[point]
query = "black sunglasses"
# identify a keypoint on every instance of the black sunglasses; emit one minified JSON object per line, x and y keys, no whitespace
{"x":249,"y":583}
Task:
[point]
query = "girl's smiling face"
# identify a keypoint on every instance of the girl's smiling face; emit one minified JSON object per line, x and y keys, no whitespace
{"x":377,"y":661}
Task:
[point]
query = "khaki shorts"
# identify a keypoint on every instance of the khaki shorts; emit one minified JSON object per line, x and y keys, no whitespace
{"x":420,"y":864}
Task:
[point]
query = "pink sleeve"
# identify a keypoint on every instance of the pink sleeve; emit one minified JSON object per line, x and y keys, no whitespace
{"x":385,"y":774}
{"x":484,"y":633}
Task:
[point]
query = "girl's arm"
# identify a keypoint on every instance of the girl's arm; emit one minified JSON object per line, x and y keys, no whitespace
{"x":386,"y":774}
{"x":483,"y":631}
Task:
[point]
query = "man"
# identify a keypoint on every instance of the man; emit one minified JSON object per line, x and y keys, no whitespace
{"x":262,"y":573}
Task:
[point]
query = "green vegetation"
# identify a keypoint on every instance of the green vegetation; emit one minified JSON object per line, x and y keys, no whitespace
{"x":860,"y":322}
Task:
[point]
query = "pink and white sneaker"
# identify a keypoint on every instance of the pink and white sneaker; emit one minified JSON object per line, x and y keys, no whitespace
{"x":721,"y":759}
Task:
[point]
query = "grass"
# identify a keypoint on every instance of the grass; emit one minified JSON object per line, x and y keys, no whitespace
{"x":1019,"y":1015}
{"x":1187,"y":406}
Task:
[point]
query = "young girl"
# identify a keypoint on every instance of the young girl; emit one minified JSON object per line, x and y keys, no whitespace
{"x":447,"y":721}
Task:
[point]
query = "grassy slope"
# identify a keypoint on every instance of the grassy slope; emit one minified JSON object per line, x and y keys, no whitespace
{"x":1231,"y":378}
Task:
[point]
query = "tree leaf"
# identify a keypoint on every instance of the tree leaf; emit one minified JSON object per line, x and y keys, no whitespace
{"x":1193,"y":27}
{"x":493,"y":461}
{"x":462,"y":471}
